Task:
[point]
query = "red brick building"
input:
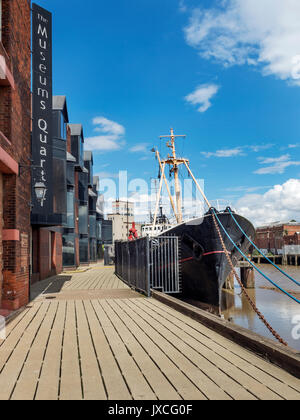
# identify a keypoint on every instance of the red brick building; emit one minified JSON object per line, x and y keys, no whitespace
{"x":15,"y":152}
{"x":279,"y":238}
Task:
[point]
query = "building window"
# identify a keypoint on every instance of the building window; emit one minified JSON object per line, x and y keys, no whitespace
{"x":93,"y":250}
{"x":69,"y":250}
{"x":84,"y":250}
{"x":93,"y":229}
{"x":83,"y":220}
{"x":99,"y":230}
{"x":63,"y":127}
{"x":59,"y":187}
{"x":81,"y":151}
{"x":71,"y":209}
{"x":70,"y":174}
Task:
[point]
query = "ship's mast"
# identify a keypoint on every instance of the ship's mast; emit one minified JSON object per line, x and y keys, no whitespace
{"x":174,"y":163}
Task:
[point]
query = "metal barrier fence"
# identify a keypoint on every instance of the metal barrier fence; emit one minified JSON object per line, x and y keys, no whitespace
{"x":149,"y":263}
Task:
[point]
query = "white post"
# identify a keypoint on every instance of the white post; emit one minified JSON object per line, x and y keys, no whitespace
{"x":158,"y":196}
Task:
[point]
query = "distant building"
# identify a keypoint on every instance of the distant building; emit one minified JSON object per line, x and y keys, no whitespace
{"x":122,"y":218}
{"x":280,"y":238}
{"x":123,"y":208}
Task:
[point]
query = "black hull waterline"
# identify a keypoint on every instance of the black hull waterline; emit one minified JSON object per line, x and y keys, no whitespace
{"x":204,"y":266}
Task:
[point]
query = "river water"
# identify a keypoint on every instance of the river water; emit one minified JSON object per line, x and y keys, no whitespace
{"x":279,"y":310}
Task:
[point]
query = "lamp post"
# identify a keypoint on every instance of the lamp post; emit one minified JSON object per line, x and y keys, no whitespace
{"x":39,"y":188}
{"x":40,"y":192}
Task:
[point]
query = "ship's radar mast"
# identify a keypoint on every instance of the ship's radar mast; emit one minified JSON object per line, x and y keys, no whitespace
{"x":174,"y":162}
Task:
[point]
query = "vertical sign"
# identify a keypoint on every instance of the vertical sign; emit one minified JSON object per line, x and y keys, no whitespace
{"x":42,"y":153}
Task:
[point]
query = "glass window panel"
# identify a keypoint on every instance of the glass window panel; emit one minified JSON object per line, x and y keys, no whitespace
{"x":71,"y":209}
{"x":99,"y":230}
{"x":83,"y":187}
{"x":59,"y":186}
{"x":84,"y":250}
{"x":83,"y":220}
{"x":70,"y":174}
{"x":81,"y":157}
{"x":69,"y":250}
{"x":92,"y":230}
{"x":93,"y":250}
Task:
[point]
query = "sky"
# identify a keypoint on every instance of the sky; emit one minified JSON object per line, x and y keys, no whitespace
{"x":224,"y":72}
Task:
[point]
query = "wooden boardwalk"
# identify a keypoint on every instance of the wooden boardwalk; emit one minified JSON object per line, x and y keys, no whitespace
{"x":125,"y":347}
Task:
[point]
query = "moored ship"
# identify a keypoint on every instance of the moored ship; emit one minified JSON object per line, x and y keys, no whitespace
{"x":204,"y":265}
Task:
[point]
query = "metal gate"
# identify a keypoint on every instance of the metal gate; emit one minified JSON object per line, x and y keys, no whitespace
{"x":164,"y":264}
{"x":149,"y":263}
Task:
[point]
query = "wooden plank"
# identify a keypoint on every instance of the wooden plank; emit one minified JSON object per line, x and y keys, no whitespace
{"x":245,"y":355}
{"x":108,"y":279}
{"x":112,"y":376}
{"x":98,"y":286}
{"x":158,"y":382}
{"x":82,"y":283}
{"x":248,"y":383}
{"x":93,"y":388}
{"x":14,"y":333}
{"x":13,"y":367}
{"x":70,"y":382}
{"x":137,"y":384}
{"x":186,"y":345}
{"x":27,"y":382}
{"x":94,"y":282}
{"x":170,"y":367}
{"x":48,"y":385}
{"x":12,"y":340}
{"x":12,"y":324}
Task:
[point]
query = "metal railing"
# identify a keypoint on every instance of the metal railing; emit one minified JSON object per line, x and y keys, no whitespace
{"x":149,"y":263}
{"x":164,"y":264}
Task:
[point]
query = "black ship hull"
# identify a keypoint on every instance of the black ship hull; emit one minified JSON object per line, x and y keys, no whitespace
{"x":204,"y":266}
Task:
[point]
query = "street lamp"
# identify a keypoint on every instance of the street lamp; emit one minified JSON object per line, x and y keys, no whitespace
{"x":40,"y":191}
{"x":39,"y":188}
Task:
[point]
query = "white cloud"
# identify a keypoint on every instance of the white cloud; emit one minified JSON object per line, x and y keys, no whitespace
{"x":111,"y":138}
{"x":278,"y":165}
{"x":108,"y":126}
{"x":202,"y":96}
{"x":281,"y":203}
{"x":227,"y":153}
{"x":237,"y":151}
{"x":261,"y":147}
{"x":140,"y":148}
{"x":247,"y":189}
{"x":261,"y":33}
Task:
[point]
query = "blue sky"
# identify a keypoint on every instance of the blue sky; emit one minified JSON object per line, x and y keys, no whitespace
{"x":142,"y":63}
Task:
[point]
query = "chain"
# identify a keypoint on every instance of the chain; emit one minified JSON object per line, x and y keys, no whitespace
{"x":260,"y":315}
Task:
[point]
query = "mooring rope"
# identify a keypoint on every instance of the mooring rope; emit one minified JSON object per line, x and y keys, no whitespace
{"x":261,"y":317}
{"x":253,"y":265}
{"x":254,"y":307}
{"x":252,"y":243}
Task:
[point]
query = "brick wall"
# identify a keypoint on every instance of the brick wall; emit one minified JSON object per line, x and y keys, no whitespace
{"x":1,"y":229}
{"x":15,"y":120}
{"x":274,"y":238}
